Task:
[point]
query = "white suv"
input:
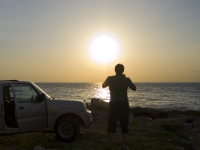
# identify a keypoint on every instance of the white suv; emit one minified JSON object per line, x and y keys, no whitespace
{"x":25,"y":107}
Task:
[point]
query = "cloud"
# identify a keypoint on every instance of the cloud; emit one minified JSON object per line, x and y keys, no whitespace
{"x":195,"y":46}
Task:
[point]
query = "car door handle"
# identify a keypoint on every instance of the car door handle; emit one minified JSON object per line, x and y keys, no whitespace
{"x":20,"y":108}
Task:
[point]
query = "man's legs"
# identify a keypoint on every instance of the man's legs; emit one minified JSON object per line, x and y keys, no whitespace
{"x":112,"y":123}
{"x":124,"y":121}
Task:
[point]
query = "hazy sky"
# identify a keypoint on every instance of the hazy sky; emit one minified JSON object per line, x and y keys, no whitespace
{"x":48,"y":40}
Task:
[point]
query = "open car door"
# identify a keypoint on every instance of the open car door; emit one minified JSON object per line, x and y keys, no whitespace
{"x":31,"y":112}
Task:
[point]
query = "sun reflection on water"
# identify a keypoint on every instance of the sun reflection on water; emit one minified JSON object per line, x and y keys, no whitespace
{"x":102,"y":93}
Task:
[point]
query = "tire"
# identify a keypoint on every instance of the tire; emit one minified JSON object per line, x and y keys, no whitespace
{"x":67,"y":129}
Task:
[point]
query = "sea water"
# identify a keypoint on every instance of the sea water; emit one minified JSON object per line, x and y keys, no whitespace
{"x":180,"y":96}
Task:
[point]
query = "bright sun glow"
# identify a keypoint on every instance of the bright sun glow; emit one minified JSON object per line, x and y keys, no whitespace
{"x":104,"y":49}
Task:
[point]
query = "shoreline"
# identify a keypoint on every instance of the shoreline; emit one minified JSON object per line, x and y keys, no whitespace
{"x":98,"y":104}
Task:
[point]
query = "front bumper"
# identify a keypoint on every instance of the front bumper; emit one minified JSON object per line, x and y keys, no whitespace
{"x":87,"y":118}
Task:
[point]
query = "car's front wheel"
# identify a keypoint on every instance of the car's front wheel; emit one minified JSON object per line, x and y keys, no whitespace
{"x":67,"y":129}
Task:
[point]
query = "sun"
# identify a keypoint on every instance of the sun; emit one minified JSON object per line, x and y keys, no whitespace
{"x":104,"y":49}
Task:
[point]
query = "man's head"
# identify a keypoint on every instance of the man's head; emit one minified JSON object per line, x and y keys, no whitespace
{"x":119,"y":69}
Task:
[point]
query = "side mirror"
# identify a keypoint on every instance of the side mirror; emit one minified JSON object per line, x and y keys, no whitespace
{"x":42,"y":97}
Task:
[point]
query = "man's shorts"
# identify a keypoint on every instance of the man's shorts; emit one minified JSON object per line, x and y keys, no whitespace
{"x":118,"y":111}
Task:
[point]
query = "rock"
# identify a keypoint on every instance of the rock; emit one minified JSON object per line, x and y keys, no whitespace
{"x":104,"y":105}
{"x":195,"y":130}
{"x":38,"y":148}
{"x":161,"y":114}
{"x":188,"y":112}
{"x":196,"y":123}
{"x":192,"y":113}
{"x":191,"y":119}
{"x":152,"y":113}
{"x":105,"y":114}
{"x":142,"y":111}
{"x":173,"y":119}
{"x":98,"y":104}
{"x":188,"y":126}
{"x":95,"y":103}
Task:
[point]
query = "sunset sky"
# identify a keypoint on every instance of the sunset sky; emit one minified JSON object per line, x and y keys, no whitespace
{"x":50,"y":40}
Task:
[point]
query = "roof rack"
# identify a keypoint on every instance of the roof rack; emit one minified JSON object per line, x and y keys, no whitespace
{"x":7,"y":80}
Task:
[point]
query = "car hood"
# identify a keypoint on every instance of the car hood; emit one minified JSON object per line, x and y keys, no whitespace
{"x":56,"y":104}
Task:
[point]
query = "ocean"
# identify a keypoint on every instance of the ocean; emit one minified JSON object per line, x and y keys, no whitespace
{"x":170,"y":96}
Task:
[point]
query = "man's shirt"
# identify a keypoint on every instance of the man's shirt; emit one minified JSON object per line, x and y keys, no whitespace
{"x":118,"y":86}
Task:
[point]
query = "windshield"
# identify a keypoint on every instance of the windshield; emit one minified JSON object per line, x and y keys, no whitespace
{"x":42,"y":91}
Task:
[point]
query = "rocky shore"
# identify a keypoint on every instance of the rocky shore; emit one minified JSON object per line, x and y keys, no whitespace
{"x":100,"y":105}
{"x":189,"y":119}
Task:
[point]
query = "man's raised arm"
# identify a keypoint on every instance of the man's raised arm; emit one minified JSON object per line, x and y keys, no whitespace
{"x":105,"y":84}
{"x":131,"y":85}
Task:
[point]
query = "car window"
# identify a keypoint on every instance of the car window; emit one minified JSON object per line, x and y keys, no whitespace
{"x":25,"y":93}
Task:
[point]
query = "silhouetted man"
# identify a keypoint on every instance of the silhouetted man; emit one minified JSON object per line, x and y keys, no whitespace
{"x":118,"y":105}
